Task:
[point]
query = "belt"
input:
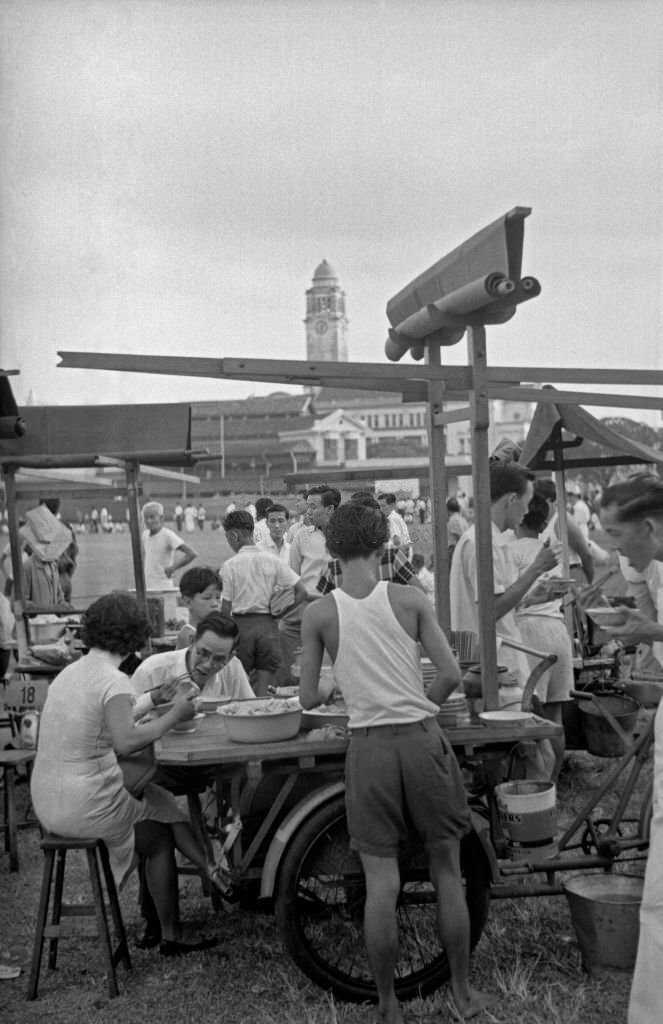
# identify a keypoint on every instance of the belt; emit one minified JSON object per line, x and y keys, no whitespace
{"x":425,"y":724}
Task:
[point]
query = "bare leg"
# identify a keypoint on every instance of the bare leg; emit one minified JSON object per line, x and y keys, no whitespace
{"x":187,"y":843}
{"x":154,"y":841}
{"x":454,"y":925}
{"x":381,"y":931}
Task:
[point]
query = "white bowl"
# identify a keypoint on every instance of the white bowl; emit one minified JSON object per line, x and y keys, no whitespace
{"x":262,"y":719}
{"x":505,"y":717}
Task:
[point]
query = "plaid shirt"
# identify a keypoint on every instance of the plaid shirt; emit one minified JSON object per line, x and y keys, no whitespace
{"x":394,"y":567}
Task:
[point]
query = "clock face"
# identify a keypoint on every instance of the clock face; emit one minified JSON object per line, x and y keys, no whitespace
{"x":321,"y":326}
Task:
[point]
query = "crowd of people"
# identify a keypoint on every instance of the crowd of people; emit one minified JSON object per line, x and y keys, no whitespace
{"x":338,"y":583}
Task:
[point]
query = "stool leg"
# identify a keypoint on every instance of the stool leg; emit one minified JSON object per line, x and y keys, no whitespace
{"x":102,"y":920}
{"x":42,"y":914}
{"x":11,"y":837}
{"x":60,"y":861}
{"x":121,"y":954}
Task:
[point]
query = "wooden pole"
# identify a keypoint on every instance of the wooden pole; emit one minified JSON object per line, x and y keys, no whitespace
{"x":480,"y":422}
{"x":135,"y":530}
{"x":16,"y":547}
{"x":437,"y":447}
{"x":560,"y":489}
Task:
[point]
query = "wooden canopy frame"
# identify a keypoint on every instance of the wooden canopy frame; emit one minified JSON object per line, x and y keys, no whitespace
{"x":127,"y":436}
{"x":456,"y":298}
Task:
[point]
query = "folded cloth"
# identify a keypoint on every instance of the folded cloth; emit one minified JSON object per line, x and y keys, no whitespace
{"x":45,"y":534}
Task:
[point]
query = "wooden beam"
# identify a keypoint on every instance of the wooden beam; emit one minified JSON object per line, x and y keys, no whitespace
{"x":107,"y":461}
{"x":277,"y":370}
{"x":452,"y":416}
{"x":575,"y":375}
{"x":476,"y":345}
{"x":551,"y":395}
{"x":86,"y":459}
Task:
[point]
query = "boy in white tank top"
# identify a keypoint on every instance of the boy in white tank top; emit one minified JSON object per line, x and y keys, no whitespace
{"x":400,"y":766}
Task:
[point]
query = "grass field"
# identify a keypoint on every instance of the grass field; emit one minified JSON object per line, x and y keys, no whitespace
{"x":528,"y":953}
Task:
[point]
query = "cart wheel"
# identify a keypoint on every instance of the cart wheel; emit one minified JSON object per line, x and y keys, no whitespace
{"x":320,"y":906}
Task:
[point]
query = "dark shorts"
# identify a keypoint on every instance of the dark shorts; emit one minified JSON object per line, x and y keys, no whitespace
{"x":259,"y":645}
{"x":399,"y":777}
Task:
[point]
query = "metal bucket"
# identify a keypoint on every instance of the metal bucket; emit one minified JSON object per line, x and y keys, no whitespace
{"x":601,"y":737}
{"x":528,"y":815}
{"x":605,"y":914}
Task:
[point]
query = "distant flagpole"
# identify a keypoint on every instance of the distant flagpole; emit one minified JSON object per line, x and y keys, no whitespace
{"x":222,"y":445}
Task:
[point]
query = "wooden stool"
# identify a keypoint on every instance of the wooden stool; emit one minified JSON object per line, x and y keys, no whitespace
{"x":9,"y":761}
{"x":55,"y":852}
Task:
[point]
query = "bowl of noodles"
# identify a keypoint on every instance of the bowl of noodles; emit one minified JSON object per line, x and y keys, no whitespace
{"x":262,"y":719}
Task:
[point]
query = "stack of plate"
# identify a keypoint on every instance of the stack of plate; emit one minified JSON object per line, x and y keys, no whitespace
{"x":454,"y":706}
{"x":428,"y":673}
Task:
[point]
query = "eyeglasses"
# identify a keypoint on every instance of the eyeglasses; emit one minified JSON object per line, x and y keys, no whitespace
{"x":202,"y":654}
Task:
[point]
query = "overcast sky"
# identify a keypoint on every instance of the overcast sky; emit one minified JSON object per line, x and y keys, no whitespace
{"x":172,"y":171}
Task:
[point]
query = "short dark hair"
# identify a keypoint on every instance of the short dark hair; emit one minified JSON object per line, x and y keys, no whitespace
{"x":365,"y":499}
{"x":388,"y":497}
{"x":219,"y":624}
{"x":453,"y":505}
{"x":331,"y":496}
{"x":115,"y":623}
{"x":418,"y":561}
{"x":262,"y":504}
{"x":197,"y":579}
{"x":639,"y":496}
{"x":239,"y":520}
{"x":537,"y":513}
{"x":507,"y":478}
{"x":318,"y":489}
{"x":277,"y":508}
{"x":355,"y":531}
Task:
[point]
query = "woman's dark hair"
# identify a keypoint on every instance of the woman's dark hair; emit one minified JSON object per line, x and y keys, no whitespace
{"x":355,"y":531}
{"x":115,"y":623}
{"x":216,"y":622}
{"x":537,"y":513}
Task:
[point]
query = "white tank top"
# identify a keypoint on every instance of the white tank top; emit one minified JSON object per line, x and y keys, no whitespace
{"x":378,"y":667}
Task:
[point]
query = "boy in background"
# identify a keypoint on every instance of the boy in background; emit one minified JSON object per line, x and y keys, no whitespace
{"x":164,"y":552}
{"x":200,"y":588}
{"x":251,"y":579}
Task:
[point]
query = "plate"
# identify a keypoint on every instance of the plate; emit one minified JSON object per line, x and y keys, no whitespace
{"x":607,"y":616}
{"x":505,"y":717}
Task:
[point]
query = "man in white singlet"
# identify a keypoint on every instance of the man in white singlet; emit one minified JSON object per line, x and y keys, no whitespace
{"x":400,"y":767}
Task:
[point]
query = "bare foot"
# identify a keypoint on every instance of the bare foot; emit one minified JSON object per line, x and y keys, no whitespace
{"x":390,"y":1014}
{"x":470,"y":1005}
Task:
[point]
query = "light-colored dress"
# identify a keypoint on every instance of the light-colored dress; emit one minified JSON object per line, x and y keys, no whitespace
{"x":77,"y":784}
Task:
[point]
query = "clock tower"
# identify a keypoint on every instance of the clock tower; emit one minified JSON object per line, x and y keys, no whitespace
{"x":326,"y":322}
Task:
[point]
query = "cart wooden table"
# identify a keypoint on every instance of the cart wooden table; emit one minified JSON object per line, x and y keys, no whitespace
{"x":294,"y":848}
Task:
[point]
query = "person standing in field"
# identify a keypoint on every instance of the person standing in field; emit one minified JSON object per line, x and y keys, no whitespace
{"x":632,"y":516}
{"x":164,"y":552}
{"x":400,"y":768}
{"x":251,"y":579}
{"x":189,"y":518}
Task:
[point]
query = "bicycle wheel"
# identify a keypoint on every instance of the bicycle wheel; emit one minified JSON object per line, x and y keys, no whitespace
{"x":320,"y":905}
